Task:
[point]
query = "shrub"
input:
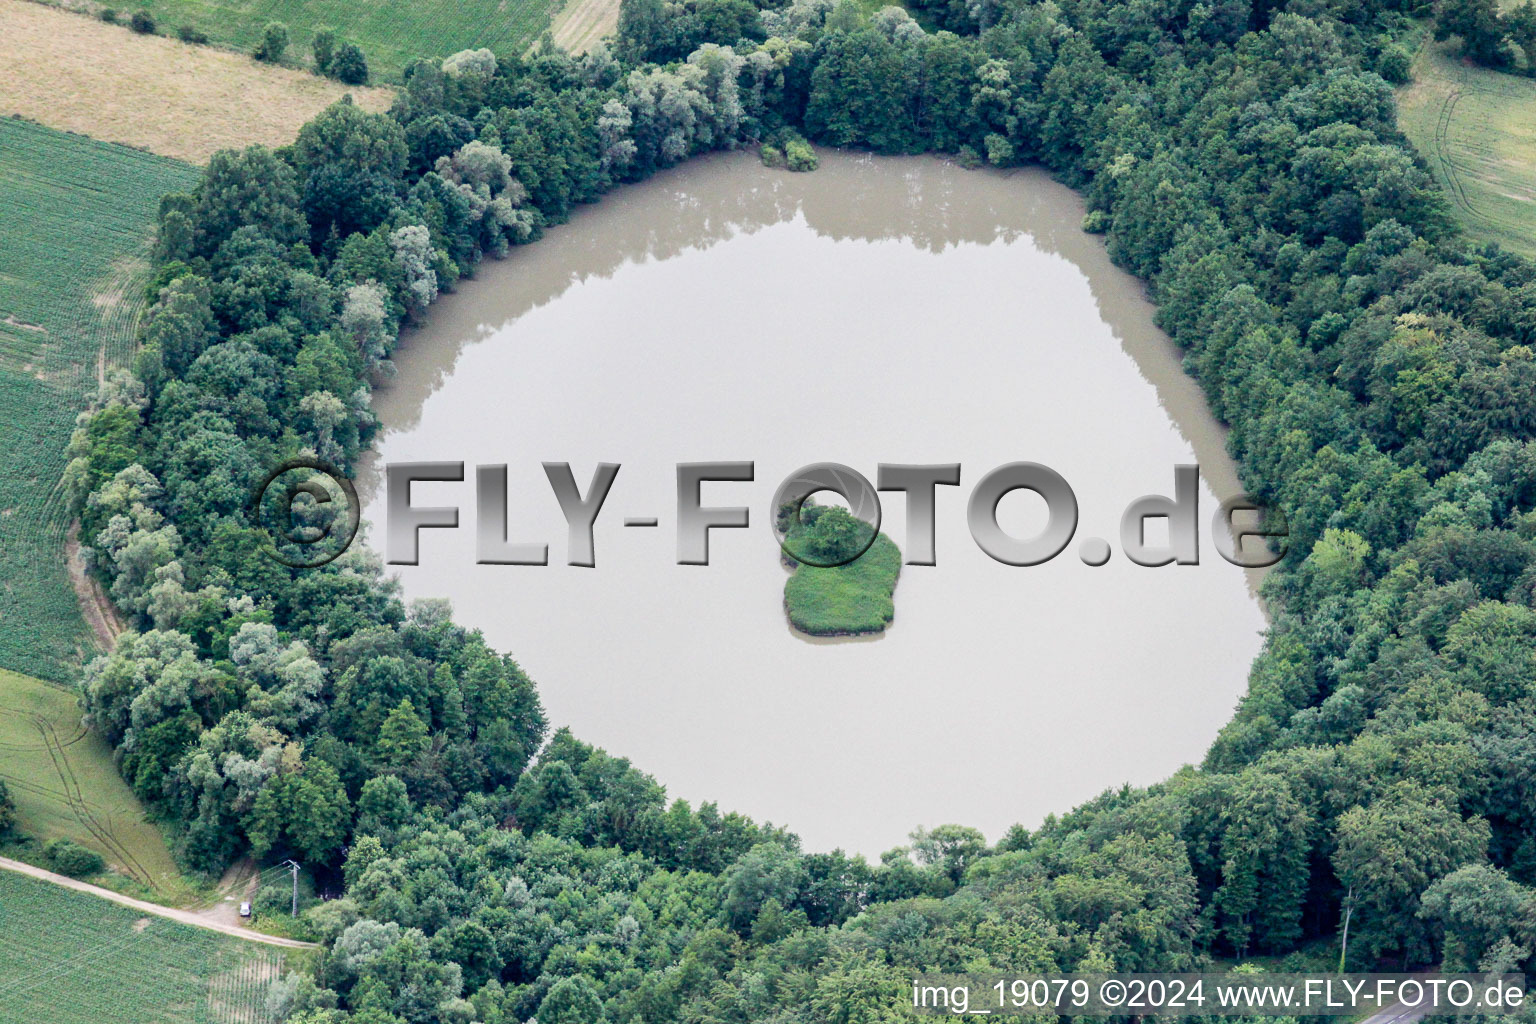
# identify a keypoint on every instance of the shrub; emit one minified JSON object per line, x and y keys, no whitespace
{"x":274,"y":900}
{"x":68,"y":857}
{"x":349,"y":65}
{"x":323,"y":46}
{"x":799,"y":155}
{"x":7,"y":810}
{"x":108,"y":15}
{"x":142,"y":22}
{"x":1395,"y":65}
{"x":999,"y":149}
{"x":788,"y":148}
{"x":189,"y":34}
{"x":273,"y":44}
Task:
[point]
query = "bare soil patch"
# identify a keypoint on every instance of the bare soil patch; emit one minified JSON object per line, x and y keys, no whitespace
{"x":97,"y":611}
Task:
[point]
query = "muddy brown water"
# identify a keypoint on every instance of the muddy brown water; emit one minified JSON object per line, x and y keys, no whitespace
{"x":878,"y":310}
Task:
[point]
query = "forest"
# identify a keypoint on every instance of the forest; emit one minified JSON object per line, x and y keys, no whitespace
{"x":1240,"y":156}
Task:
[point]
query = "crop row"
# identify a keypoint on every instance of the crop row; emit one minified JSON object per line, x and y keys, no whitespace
{"x":75,"y":221}
{"x":69,"y":957}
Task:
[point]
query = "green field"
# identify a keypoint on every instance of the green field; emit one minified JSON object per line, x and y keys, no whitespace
{"x":392,"y":33}
{"x":75,"y":224}
{"x":68,"y":957}
{"x":65,"y":784}
{"x":1477,"y":130}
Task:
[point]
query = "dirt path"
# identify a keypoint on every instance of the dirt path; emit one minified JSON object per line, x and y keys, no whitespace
{"x":94,"y":606}
{"x":238,"y":884}
{"x":197,"y":919}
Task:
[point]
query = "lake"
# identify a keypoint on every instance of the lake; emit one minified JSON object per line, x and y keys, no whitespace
{"x":877,"y":310}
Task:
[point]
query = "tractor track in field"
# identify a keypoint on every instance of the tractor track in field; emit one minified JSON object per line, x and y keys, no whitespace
{"x":1443,"y":150}
{"x":69,"y":790}
{"x":75,"y":800}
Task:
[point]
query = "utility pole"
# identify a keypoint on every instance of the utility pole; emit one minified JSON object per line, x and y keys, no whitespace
{"x":293,"y":865}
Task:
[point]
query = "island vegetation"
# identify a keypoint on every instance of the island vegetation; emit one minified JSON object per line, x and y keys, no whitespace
{"x":1241,"y":156}
{"x":846,"y":583}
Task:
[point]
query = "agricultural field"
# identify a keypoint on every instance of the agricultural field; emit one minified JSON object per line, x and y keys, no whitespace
{"x":1477,"y":130}
{"x":76,"y":218}
{"x":581,"y":24}
{"x":74,"y":72}
{"x":69,"y":957}
{"x":65,"y":784}
{"x":392,"y":33}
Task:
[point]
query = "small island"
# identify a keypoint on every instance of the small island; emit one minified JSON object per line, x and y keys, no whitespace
{"x":837,"y":600}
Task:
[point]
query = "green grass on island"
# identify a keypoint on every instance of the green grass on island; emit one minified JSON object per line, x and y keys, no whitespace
{"x":839,"y":600}
{"x":68,"y":957}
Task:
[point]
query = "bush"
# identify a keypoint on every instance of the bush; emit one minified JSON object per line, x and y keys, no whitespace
{"x":273,"y":44}
{"x":323,"y":46}
{"x":68,"y":857}
{"x":788,"y":148}
{"x":273,"y":900}
{"x":349,"y":65}
{"x":188,"y":34}
{"x":799,"y":155}
{"x":276,"y":899}
{"x":108,"y":15}
{"x":7,"y":810}
{"x":142,"y":22}
{"x":1395,"y":65}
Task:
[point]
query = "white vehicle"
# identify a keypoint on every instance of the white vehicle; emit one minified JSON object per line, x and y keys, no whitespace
{"x":245,"y":910}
